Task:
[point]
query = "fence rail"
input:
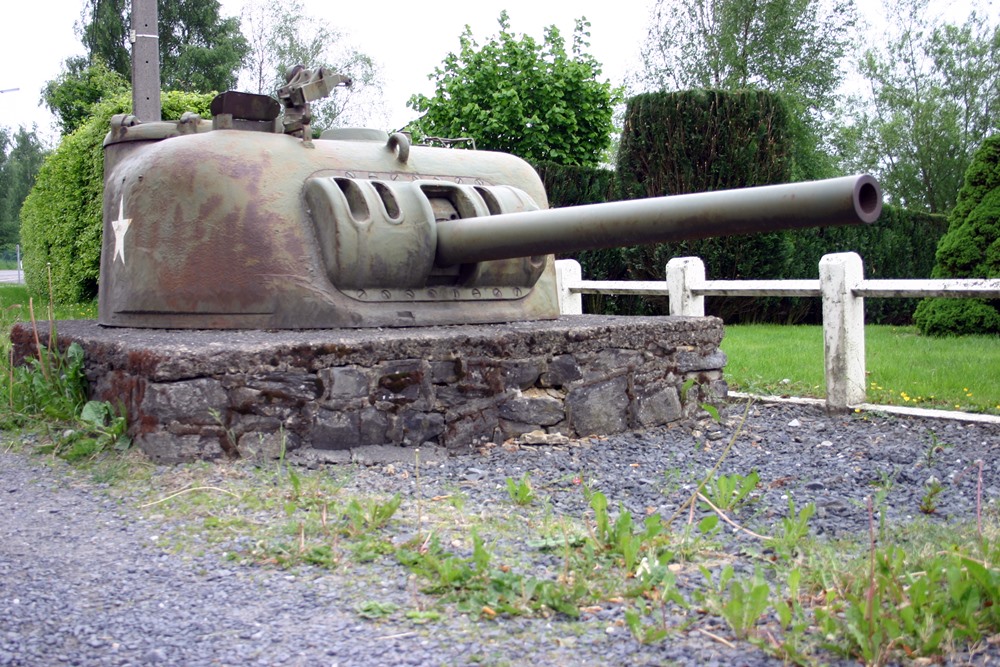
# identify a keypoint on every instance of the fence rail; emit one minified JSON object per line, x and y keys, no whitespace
{"x":841,"y":285}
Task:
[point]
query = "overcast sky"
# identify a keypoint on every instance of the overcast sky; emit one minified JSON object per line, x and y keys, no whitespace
{"x":408,"y":39}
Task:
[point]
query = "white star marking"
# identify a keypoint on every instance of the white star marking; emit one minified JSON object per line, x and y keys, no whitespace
{"x":121,"y":227}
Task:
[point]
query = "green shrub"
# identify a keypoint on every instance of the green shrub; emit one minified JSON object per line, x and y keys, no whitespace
{"x":956,"y":317}
{"x":568,"y":185}
{"x":699,"y":141}
{"x":970,"y":249}
{"x":61,"y":220}
{"x":702,"y":140}
{"x":901,"y":244}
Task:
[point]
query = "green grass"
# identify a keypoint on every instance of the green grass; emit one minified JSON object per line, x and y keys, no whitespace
{"x":14,"y":307}
{"x":921,"y":591}
{"x":903,"y":367}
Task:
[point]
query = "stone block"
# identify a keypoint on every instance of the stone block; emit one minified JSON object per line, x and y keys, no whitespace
{"x":445,"y":372}
{"x":610,"y":361}
{"x":538,"y":409}
{"x":511,"y":429}
{"x":560,"y":371}
{"x":413,"y":428}
{"x":600,"y":407}
{"x":691,"y":361}
{"x":335,"y":430}
{"x":656,"y":407}
{"x":289,"y":387}
{"x":373,"y":427}
{"x":481,"y":377}
{"x":244,"y":399}
{"x":266,"y":445}
{"x":200,"y":401}
{"x":404,"y":382}
{"x":245,"y":423}
{"x":206,"y":394}
{"x":521,"y":374}
{"x":465,"y":430}
{"x":164,"y":447}
{"x":343,"y":383}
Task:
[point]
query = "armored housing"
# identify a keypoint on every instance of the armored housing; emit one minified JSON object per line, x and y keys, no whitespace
{"x":244,"y":221}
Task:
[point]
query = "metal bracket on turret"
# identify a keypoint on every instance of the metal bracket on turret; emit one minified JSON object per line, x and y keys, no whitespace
{"x":304,"y":86}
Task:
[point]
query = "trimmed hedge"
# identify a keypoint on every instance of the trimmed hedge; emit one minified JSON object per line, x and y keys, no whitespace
{"x":703,"y":140}
{"x":700,"y":141}
{"x":970,"y":249}
{"x":900,"y":245}
{"x":61,"y":220}
{"x":576,"y":186}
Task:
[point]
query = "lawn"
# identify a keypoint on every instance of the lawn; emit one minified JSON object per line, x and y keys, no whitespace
{"x":14,"y":307}
{"x":903,"y":367}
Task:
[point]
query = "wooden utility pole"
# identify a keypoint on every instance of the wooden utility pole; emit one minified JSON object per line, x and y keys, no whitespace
{"x":145,"y":61}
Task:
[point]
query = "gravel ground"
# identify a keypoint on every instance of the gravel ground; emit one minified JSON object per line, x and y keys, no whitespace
{"x":85,"y":577}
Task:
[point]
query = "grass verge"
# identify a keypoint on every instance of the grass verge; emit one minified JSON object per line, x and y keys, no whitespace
{"x":921,"y":592}
{"x":48,"y":393}
{"x":903,"y":367}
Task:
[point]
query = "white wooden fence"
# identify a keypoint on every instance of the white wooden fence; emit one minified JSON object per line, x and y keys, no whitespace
{"x":841,"y":285}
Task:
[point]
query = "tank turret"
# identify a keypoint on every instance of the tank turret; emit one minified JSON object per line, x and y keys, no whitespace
{"x":244,"y":221}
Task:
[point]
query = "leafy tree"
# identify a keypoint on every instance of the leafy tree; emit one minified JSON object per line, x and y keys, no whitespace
{"x":283,"y":35}
{"x":517,"y":95}
{"x":21,"y":156}
{"x":8,"y":232}
{"x":793,"y":47}
{"x":72,"y":94}
{"x":935,"y":93}
{"x":200,"y":51}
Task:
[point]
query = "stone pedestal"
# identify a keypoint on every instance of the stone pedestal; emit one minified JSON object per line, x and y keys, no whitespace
{"x":198,"y":394}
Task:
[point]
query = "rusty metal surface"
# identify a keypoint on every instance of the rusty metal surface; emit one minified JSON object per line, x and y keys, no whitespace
{"x":245,"y":106}
{"x":218,"y":228}
{"x":215,"y":230}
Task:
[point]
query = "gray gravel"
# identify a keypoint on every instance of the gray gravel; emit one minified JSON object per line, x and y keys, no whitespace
{"x":85,"y":578}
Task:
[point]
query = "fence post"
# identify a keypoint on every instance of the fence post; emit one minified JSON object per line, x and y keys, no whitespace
{"x":568,"y":272}
{"x":683,"y":275}
{"x":843,"y":329}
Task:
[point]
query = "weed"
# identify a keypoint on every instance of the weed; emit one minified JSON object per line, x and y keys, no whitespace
{"x":48,"y":386}
{"x":369,"y":515}
{"x":932,"y":489}
{"x":686,"y":387}
{"x":788,"y":540}
{"x":793,"y":621}
{"x":727,"y":492}
{"x":373,"y":609}
{"x":520,"y":492}
{"x":741,"y":607}
{"x":936,"y":447}
{"x":656,"y":590}
{"x":621,"y":538}
{"x":422,"y":617}
{"x":101,"y":429}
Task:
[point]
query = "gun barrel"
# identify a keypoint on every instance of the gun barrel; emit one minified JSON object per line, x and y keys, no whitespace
{"x":835,"y":201}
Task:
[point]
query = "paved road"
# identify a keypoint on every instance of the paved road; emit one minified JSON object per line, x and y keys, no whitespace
{"x":11,"y":276}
